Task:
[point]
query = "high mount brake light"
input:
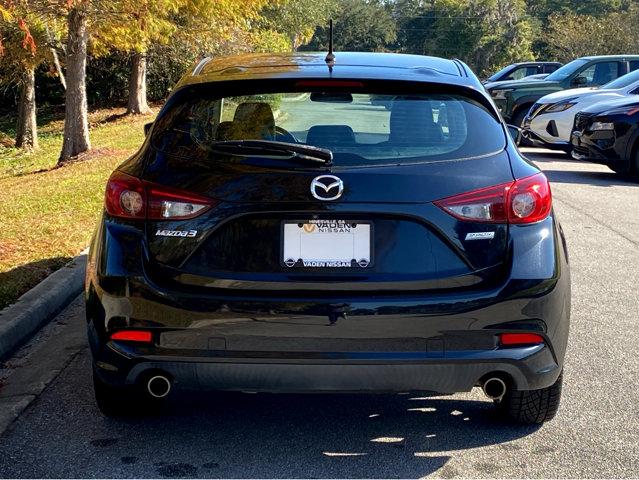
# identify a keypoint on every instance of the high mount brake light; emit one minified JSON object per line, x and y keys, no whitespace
{"x":130,"y":197}
{"x":526,"y":200}
{"x":328,"y":83}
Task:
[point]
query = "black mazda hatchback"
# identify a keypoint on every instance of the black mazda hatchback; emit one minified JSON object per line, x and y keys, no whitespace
{"x":277,"y":232}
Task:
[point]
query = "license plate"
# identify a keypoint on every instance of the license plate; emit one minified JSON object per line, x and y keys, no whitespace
{"x":326,"y":244}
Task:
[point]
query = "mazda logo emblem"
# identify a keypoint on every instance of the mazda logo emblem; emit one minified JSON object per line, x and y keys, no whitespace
{"x":327,"y":187}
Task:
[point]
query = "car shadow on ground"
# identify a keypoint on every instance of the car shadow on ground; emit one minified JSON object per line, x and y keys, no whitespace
{"x":599,"y":179}
{"x":548,"y":156}
{"x":595,"y":177}
{"x":327,"y":435}
{"x":242,"y":435}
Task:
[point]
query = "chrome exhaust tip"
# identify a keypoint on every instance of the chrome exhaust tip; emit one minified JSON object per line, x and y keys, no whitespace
{"x":494,"y":388}
{"x":158,"y":386}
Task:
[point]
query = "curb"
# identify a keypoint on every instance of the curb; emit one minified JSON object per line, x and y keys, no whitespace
{"x":18,"y":322}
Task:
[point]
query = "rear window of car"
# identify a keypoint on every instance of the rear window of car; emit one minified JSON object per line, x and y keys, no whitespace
{"x":360,"y":129}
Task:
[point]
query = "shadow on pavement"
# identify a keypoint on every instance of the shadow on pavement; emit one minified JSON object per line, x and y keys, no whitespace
{"x":18,"y":280}
{"x":599,"y":179}
{"x":377,"y":436}
{"x":548,"y":156}
{"x":606,"y":178}
{"x":237,"y":435}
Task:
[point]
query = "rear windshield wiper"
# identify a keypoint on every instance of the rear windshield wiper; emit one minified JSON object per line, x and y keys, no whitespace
{"x":271,"y":148}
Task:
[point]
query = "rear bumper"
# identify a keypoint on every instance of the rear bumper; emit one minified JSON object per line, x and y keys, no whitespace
{"x":437,"y":341}
{"x":529,"y":368}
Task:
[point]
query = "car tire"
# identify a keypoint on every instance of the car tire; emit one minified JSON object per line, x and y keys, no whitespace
{"x":114,"y":401}
{"x":531,"y":407}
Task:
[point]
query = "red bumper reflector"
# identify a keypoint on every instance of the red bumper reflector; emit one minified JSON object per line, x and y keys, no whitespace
{"x":520,"y":339}
{"x":132,"y":336}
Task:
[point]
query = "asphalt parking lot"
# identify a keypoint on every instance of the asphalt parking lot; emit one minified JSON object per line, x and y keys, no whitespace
{"x":596,"y":433}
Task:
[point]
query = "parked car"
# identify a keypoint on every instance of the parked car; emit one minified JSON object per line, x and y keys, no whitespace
{"x":494,"y":85}
{"x":277,"y":233}
{"x":608,"y":133}
{"x":514,"y":99}
{"x":517,"y":71}
{"x":550,"y":120}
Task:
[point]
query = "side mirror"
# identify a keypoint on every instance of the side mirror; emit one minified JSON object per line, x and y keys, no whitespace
{"x":147,"y":127}
{"x":515,"y":133}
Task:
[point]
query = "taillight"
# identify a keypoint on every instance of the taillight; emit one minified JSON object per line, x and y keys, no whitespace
{"x":125,"y":196}
{"x":529,"y":199}
{"x":512,"y":339}
{"x":526,"y":200}
{"x":130,"y":197}
{"x":166,"y":203}
{"x":483,"y":205}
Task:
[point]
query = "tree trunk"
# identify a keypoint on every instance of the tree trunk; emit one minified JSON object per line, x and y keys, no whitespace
{"x":137,"y":85}
{"x":26,"y":128}
{"x":76,"y":124}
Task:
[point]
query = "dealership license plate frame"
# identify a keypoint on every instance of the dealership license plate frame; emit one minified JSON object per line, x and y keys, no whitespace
{"x":299,"y":262}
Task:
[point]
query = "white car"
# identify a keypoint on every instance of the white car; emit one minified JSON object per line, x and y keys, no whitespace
{"x":550,"y":120}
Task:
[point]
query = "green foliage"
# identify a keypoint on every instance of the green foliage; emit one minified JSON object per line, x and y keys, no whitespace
{"x":360,"y":25}
{"x":136,"y":25}
{"x":295,"y":20}
{"x":266,"y":40}
{"x":543,"y":9}
{"x":486,"y":34}
{"x":571,"y":35}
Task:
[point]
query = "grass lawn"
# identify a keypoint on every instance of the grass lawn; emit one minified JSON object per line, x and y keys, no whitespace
{"x":47,"y":214}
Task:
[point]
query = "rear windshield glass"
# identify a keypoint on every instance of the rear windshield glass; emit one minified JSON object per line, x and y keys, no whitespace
{"x":360,"y":129}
